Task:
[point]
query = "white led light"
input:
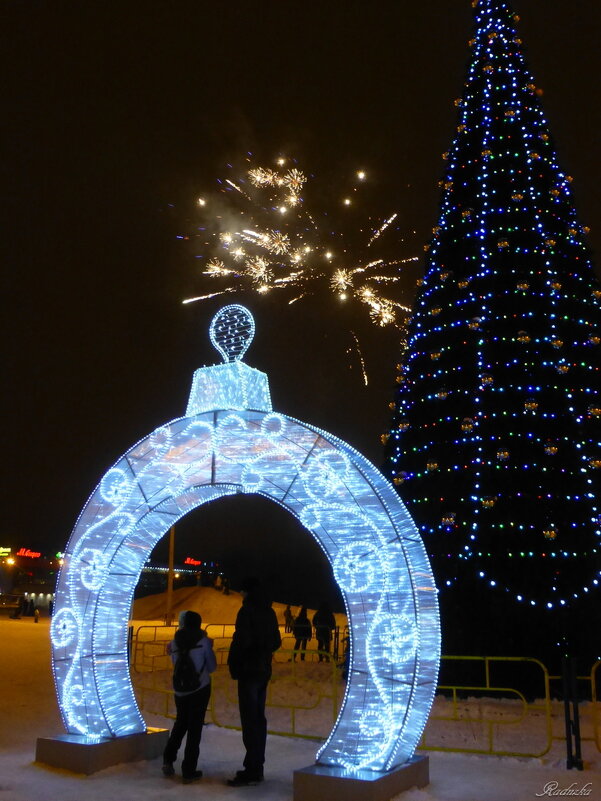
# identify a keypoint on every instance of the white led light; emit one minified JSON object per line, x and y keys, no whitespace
{"x":231,"y":332}
{"x":352,"y":511}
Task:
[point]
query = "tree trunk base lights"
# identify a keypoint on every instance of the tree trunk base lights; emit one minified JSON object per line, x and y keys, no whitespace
{"x":229,"y":442}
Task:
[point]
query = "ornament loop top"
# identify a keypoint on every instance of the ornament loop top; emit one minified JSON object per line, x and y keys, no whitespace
{"x":231,"y":332}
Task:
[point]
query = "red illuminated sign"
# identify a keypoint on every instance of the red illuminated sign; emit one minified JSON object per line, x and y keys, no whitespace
{"x":189,"y":561}
{"x":30,"y":554}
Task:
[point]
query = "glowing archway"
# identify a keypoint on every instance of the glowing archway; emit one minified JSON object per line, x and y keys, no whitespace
{"x":230,"y":442}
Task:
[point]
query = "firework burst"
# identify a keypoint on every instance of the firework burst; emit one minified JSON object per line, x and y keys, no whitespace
{"x":261,"y":236}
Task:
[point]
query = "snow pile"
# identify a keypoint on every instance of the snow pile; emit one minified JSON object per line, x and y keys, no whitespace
{"x":211,"y":604}
{"x":29,"y":710}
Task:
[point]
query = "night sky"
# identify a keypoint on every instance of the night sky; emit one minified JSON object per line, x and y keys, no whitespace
{"x":118,"y":116}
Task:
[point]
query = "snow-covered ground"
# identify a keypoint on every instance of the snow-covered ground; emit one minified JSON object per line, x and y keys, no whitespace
{"x":29,"y":710}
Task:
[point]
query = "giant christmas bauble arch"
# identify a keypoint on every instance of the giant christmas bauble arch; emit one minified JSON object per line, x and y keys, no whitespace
{"x":231,"y":441}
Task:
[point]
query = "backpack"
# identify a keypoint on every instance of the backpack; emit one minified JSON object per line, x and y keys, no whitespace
{"x":186,"y":678}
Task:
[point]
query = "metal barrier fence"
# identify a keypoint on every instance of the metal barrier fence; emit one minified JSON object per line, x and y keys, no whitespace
{"x":482,"y":703}
{"x":595,"y":706}
{"x":482,"y":725}
{"x":303,"y":697}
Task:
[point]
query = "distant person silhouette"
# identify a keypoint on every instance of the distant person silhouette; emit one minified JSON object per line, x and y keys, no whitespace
{"x":303,"y":632}
{"x":325,"y":623}
{"x":288,"y":620}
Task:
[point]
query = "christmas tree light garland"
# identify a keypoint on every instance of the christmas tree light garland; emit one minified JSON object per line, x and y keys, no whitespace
{"x":497,"y":402}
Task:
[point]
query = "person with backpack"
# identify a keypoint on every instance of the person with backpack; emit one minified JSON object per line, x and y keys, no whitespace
{"x":256,"y":637}
{"x":193,"y":661}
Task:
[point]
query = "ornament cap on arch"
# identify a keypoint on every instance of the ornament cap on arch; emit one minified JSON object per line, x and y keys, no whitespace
{"x":232,"y":385}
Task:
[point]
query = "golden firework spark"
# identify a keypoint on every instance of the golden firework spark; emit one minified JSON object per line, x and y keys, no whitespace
{"x":361,"y":359}
{"x":265,"y":238}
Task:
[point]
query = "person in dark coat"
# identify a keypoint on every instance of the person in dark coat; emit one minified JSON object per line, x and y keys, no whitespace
{"x":325,"y":623}
{"x":288,"y":619}
{"x":303,"y":632}
{"x":191,"y":706}
{"x":256,"y":637}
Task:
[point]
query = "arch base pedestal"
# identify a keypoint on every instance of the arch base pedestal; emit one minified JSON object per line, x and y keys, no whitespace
{"x":81,"y":754}
{"x":322,"y":783}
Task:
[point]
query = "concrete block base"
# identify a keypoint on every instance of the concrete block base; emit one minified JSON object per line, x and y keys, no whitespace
{"x":81,"y":754}
{"x":324,"y":783}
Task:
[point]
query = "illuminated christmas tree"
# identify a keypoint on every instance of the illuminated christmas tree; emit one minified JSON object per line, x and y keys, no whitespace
{"x":494,"y":443}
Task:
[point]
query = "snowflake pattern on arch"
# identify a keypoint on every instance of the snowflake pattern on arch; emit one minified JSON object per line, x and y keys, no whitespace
{"x":357,"y":566}
{"x":115,"y":487}
{"x":94,"y":567}
{"x":325,"y":475}
{"x":63,"y":628}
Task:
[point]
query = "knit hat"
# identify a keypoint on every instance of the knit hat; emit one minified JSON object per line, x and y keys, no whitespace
{"x":192,"y":620}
